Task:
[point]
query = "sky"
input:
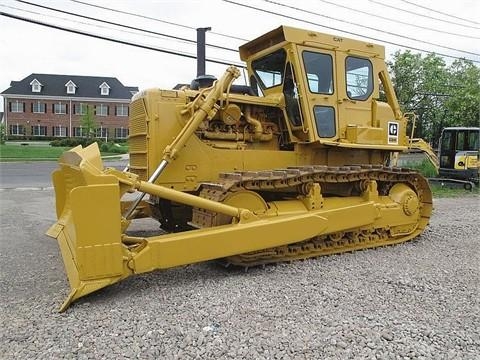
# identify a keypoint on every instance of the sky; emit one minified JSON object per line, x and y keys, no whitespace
{"x":450,"y":28}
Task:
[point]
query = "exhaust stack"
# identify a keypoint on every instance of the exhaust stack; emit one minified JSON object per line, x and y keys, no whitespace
{"x":201,"y":50}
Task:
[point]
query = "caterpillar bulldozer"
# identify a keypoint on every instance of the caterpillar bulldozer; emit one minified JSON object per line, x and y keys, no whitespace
{"x":295,"y":165}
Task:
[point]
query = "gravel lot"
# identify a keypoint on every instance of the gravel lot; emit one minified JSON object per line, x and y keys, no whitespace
{"x":418,"y":300}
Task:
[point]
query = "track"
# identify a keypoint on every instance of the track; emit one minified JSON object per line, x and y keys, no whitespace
{"x":334,"y":181}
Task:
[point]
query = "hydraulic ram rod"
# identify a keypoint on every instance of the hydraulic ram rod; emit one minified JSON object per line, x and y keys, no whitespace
{"x":193,"y":123}
{"x":188,"y":199}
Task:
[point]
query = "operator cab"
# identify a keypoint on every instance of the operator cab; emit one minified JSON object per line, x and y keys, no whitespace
{"x":330,"y":86}
{"x":459,"y":153}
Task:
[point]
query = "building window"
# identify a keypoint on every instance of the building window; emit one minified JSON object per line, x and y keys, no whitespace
{"x":80,"y":109}
{"x":38,"y":107}
{"x":17,"y":130}
{"x":101,"y":110}
{"x":79,"y":132}
{"x":104,"y":89}
{"x":121,"y":110}
{"x":17,"y":106}
{"x":71,"y":87}
{"x":60,"y":131}
{"x":102,"y":132}
{"x":36,"y":86}
{"x":59,"y":108}
{"x":38,"y":130}
{"x":121,"y":133}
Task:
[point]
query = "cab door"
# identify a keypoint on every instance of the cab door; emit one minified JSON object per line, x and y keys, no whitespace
{"x":356,"y":88}
{"x":448,"y":149}
{"x":320,"y":90}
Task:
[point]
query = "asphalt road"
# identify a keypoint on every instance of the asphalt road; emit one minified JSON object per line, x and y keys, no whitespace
{"x":36,"y":174}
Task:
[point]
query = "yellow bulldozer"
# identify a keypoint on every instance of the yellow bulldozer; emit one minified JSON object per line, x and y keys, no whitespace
{"x":295,"y":165}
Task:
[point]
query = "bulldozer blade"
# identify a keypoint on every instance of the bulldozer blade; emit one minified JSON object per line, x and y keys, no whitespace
{"x":88,"y":228}
{"x":90,"y":235}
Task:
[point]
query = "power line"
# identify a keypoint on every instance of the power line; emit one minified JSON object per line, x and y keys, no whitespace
{"x":367,"y":27}
{"x":345,"y":31}
{"x":425,"y":16}
{"x":147,"y":47}
{"x":124,"y":26}
{"x":439,"y":12}
{"x":154,"y":19}
{"x":70,"y":20}
{"x":398,"y":21}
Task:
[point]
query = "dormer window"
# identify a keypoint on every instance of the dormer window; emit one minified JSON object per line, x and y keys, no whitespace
{"x":71,"y":87}
{"x":104,"y":89}
{"x":36,"y":86}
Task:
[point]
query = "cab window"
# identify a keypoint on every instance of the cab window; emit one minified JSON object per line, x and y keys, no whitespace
{"x":473,"y":140}
{"x":447,"y":143}
{"x":325,"y":121}
{"x":269,"y":70}
{"x":292,"y":100}
{"x":461,"y":140}
{"x":319,"y":68}
{"x":359,"y":78}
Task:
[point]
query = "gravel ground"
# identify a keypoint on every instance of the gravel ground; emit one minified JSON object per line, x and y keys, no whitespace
{"x":418,"y":300}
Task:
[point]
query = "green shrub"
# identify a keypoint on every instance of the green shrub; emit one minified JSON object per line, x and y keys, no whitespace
{"x":66,"y":142}
{"x":426,"y":168}
{"x":110,"y":147}
{"x":115,"y":148}
{"x":72,"y":142}
{"x":104,"y":147}
{"x":2,"y":133}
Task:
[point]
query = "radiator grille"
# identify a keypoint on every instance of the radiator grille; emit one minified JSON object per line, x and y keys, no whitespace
{"x":138,"y":115}
{"x":137,"y":143}
{"x":137,"y":140}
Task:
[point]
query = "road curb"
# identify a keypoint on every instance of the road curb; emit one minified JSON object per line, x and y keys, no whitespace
{"x":27,"y":188}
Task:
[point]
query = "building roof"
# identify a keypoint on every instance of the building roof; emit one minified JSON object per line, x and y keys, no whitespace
{"x":86,"y":86}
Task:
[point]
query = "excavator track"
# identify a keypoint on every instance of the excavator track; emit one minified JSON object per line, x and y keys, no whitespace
{"x":351,"y":180}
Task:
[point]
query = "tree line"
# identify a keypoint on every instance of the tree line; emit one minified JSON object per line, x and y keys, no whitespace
{"x":441,"y":95}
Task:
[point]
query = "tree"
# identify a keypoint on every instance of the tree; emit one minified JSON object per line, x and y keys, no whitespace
{"x":419,"y":84}
{"x":433,"y":93}
{"x":405,"y":69}
{"x":88,"y":122}
{"x":440,"y":95}
{"x":3,"y":135}
{"x":463,"y":106}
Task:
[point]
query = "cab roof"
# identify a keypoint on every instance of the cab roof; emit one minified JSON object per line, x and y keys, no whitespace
{"x":309,"y":38}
